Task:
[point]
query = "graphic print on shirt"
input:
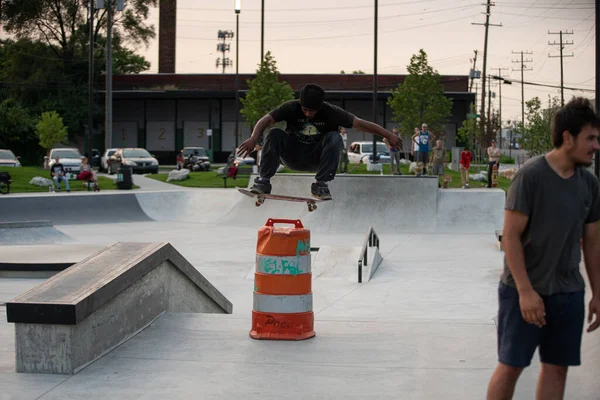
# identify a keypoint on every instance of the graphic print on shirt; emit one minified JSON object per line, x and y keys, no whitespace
{"x":308,"y":132}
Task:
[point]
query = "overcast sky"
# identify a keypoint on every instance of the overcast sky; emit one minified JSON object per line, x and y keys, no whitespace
{"x":326,"y":36}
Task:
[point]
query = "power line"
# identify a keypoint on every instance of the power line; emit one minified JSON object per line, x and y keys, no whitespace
{"x":343,"y":36}
{"x":337,"y":21}
{"x":313,"y":9}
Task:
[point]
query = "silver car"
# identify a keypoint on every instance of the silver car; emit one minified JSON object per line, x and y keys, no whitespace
{"x":70,"y":158}
{"x":8,"y":159}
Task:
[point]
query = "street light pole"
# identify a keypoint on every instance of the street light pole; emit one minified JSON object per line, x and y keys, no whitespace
{"x":108,"y":110}
{"x":90,"y":84}
{"x":375,"y":85}
{"x":238,"y":7}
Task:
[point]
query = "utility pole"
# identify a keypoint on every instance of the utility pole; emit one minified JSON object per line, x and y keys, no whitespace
{"x":523,"y":69}
{"x":88,"y":148}
{"x":223,"y":48}
{"x":562,"y":46}
{"x":483,"y":78}
{"x":473,"y":73}
{"x":500,"y":82}
{"x":375,"y":83}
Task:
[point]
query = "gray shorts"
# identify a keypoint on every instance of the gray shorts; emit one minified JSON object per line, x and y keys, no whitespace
{"x":437,"y":169}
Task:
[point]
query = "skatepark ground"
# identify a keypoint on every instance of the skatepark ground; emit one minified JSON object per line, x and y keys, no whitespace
{"x":422,"y":328}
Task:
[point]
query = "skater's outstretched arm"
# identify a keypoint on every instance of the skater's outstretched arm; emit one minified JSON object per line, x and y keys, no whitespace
{"x":369,"y":127}
{"x":248,"y":145}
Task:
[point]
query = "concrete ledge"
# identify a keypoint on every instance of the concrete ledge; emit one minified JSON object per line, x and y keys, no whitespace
{"x":25,"y":224}
{"x":82,"y":313}
{"x":470,"y":210}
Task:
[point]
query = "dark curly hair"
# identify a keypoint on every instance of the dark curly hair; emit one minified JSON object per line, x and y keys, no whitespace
{"x":573,"y":117}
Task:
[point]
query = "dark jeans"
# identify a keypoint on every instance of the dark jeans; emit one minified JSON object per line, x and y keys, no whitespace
{"x":490,"y":166}
{"x":322,"y":156}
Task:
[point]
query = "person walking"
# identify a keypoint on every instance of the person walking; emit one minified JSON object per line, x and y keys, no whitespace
{"x":552,"y":216}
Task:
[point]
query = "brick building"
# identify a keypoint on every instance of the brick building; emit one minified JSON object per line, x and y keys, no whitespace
{"x":165,"y":112}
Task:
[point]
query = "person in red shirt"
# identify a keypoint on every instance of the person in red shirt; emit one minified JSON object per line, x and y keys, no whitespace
{"x":465,"y":164}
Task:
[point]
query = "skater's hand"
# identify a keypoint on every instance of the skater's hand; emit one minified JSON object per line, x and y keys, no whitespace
{"x":247,"y":147}
{"x":532,"y":308}
{"x":594,"y":310}
{"x":394,"y":141}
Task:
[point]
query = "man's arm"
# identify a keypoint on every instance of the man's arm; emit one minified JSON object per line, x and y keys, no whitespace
{"x":249,"y":144}
{"x":370,"y":127}
{"x":532,"y":306}
{"x":591,"y":256}
{"x":261,"y":125}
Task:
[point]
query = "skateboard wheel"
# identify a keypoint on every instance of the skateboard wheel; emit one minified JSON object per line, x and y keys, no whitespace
{"x":312,"y":207}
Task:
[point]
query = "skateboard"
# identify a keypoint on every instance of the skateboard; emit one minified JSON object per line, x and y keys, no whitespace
{"x":260,"y":199}
{"x":495,"y":175}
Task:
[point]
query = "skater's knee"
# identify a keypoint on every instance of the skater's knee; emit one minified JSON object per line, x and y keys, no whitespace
{"x":334,"y":139}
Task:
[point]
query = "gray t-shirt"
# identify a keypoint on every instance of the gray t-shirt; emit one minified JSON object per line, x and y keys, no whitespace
{"x":558,"y":209}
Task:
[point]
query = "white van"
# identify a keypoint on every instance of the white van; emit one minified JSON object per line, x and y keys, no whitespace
{"x":362,"y":151}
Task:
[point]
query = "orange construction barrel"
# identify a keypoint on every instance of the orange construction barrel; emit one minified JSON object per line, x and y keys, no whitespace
{"x":283,"y":303}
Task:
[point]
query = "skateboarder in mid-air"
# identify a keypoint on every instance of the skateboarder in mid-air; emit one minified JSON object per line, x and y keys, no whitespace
{"x":311,"y":141}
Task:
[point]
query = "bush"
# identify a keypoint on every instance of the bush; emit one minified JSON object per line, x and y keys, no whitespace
{"x":506,"y":160}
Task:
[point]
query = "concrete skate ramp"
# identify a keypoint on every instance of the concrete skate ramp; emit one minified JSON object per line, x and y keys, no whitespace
{"x":198,"y":206}
{"x":30,"y":233}
{"x":390,"y":204}
{"x":73,"y":209}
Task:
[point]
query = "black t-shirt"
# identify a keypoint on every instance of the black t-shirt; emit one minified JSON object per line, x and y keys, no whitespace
{"x":329,"y":118}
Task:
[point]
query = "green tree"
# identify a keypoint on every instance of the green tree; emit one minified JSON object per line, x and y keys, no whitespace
{"x":64,"y":24}
{"x":16,"y":124}
{"x":536,"y":138}
{"x":265,"y":91}
{"x":468,"y":130}
{"x":420,"y":98}
{"x":51,"y":130}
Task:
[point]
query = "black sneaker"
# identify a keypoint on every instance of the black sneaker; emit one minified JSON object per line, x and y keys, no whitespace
{"x":320,"y":190}
{"x":261,"y":186}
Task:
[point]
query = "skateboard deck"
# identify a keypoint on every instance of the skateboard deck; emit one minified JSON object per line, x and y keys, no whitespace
{"x":260,"y":199}
{"x":495,"y":176}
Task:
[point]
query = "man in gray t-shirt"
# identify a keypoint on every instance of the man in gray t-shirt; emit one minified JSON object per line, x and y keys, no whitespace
{"x":552,"y":214}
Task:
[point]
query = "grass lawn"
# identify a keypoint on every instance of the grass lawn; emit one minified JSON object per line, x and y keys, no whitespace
{"x":22,"y":176}
{"x":212,"y":180}
{"x":208,"y":179}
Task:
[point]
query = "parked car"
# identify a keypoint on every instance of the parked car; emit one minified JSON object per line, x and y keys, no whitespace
{"x":195,"y":159}
{"x":105,"y":159}
{"x":70,"y":158}
{"x":362,"y":151}
{"x":8,"y":159}
{"x":140,"y":161}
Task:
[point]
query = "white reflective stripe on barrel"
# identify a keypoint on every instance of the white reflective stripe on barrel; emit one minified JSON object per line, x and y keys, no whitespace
{"x":283,"y":304}
{"x":277,"y":265}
